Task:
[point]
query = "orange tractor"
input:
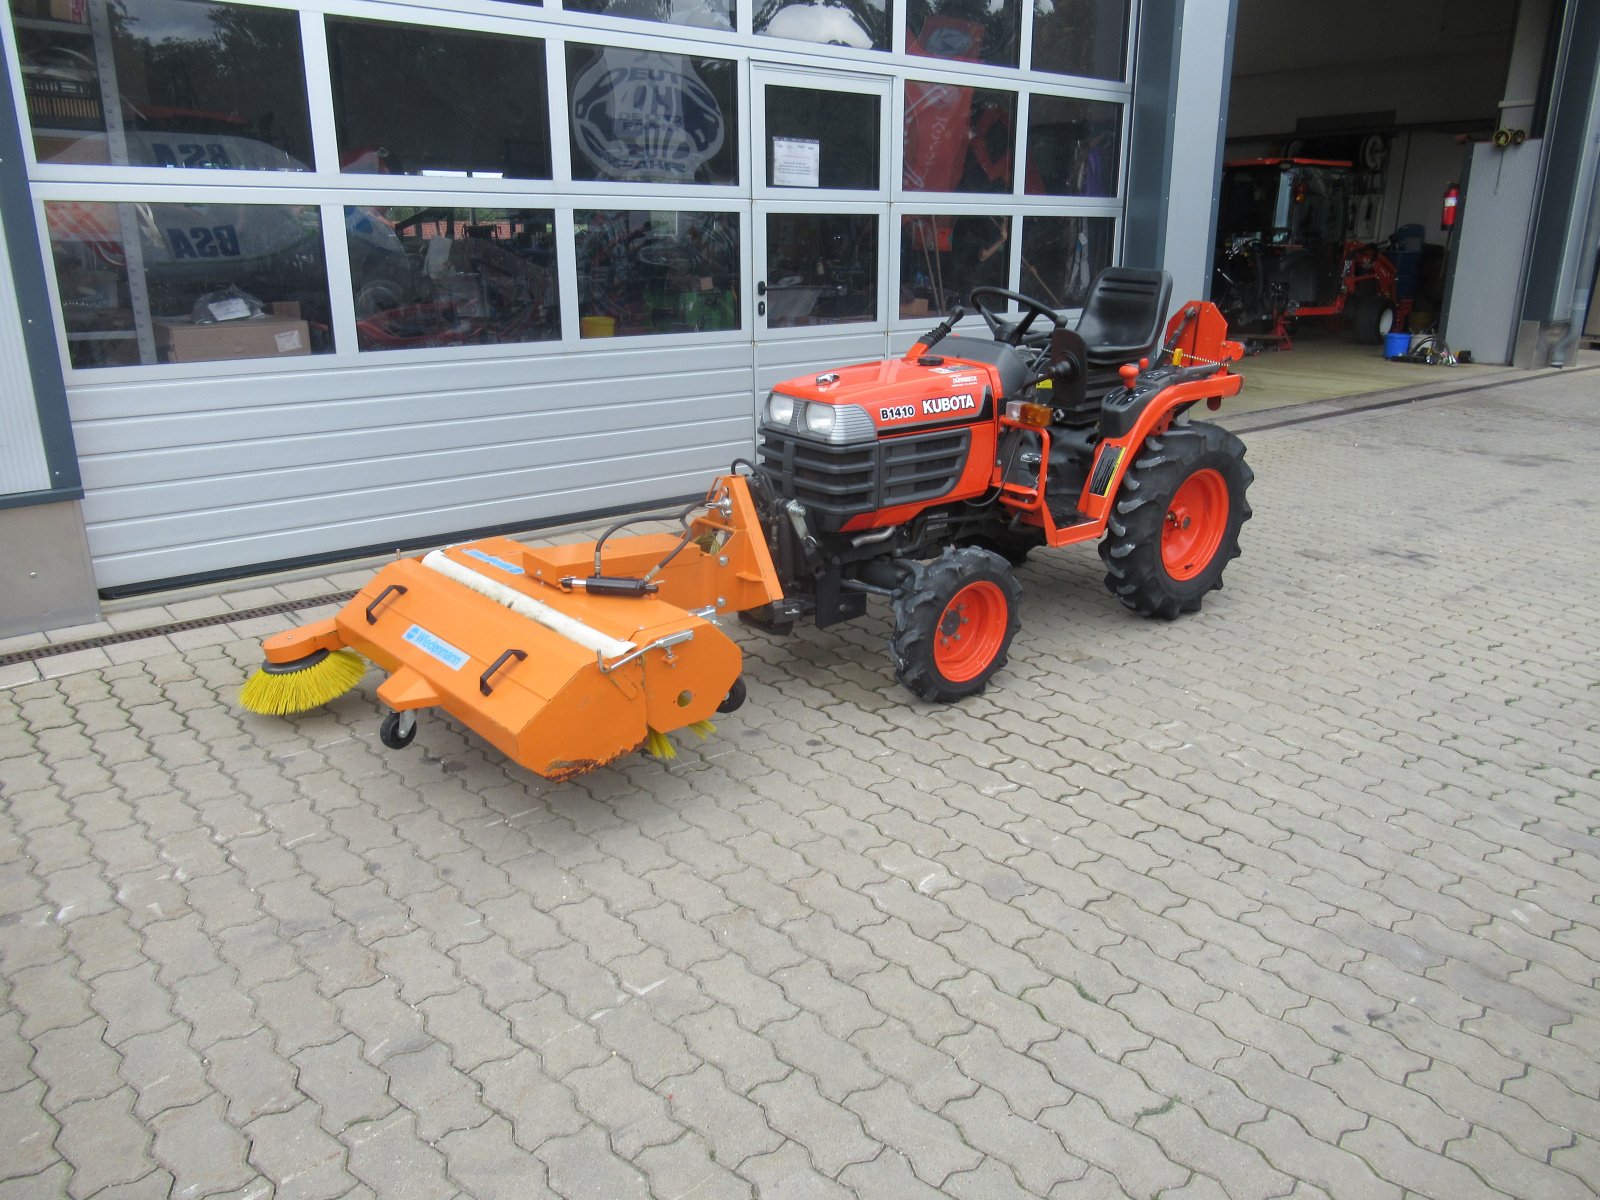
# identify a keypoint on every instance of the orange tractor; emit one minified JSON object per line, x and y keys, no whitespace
{"x":921,"y":480}
{"x":1285,"y":254}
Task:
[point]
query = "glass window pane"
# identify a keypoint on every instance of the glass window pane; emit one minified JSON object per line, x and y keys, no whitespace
{"x":1081,"y":37}
{"x":958,"y":139}
{"x":822,"y":138}
{"x":452,"y":276}
{"x":1062,"y":255}
{"x":145,"y":283}
{"x":643,"y":116}
{"x":943,"y":258}
{"x":197,"y":84}
{"x":699,"y":14}
{"x":822,"y":269}
{"x":656,"y":272}
{"x":416,"y":100}
{"x":1073,"y":146}
{"x":859,"y":24}
{"x":959,"y":29}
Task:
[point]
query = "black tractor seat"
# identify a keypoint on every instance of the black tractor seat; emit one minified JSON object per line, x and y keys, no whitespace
{"x":1122,"y":320}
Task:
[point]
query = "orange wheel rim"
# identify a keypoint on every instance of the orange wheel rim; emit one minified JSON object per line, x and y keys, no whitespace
{"x":1196,"y":520}
{"x":970,"y":631}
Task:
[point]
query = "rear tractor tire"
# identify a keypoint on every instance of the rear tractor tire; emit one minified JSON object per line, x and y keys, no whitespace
{"x":1371,"y":318}
{"x":1175,"y":524}
{"x":954,"y":619}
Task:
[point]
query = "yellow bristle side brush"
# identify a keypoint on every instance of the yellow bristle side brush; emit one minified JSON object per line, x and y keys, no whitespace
{"x":278,"y":689}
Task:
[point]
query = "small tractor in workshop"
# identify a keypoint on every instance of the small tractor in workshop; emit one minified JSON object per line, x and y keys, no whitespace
{"x":1284,"y":254}
{"x":921,"y":480}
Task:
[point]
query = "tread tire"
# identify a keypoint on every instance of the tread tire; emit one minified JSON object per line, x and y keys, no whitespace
{"x":1132,"y":547}
{"x":921,"y":605}
{"x":1367,"y":324}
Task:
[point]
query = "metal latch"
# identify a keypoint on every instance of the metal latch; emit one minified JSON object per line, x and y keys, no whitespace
{"x":661,"y":643}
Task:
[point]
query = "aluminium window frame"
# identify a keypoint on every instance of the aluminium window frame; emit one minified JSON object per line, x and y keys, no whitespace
{"x":331,"y":190}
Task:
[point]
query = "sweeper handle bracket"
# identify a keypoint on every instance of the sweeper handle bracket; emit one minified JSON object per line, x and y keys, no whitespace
{"x":661,"y":643}
{"x":398,"y":589}
{"x":483,"y":680}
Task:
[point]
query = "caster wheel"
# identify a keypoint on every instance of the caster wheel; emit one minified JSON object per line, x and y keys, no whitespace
{"x":398,"y":730}
{"x":734,"y":698}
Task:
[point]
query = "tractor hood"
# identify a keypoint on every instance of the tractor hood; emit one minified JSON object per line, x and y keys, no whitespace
{"x":899,"y":394}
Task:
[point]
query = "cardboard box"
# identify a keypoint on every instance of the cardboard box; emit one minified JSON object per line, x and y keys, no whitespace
{"x":257,"y":337}
{"x":75,"y":11}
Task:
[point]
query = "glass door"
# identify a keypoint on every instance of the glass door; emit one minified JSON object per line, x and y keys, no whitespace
{"x":821,"y":159}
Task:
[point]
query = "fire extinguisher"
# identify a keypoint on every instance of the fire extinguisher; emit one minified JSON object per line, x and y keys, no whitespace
{"x":1452,"y":202}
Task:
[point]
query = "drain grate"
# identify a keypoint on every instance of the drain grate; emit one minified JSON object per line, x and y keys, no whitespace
{"x":137,"y":635}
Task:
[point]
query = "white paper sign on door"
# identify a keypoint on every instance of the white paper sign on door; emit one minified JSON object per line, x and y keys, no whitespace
{"x":796,"y":162}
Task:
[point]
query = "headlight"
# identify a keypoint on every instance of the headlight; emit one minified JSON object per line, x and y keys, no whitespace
{"x":780,"y":409}
{"x":838,"y":424}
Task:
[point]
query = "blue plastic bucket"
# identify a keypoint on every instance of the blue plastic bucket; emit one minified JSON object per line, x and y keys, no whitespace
{"x":1396,"y":345}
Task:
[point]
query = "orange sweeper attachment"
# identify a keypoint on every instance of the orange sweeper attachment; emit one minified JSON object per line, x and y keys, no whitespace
{"x":562,"y":658}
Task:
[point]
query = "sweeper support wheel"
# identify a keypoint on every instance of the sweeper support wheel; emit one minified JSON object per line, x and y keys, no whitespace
{"x":399,"y":730}
{"x":954,"y":619}
{"x":734,"y":700}
{"x":1175,"y":525}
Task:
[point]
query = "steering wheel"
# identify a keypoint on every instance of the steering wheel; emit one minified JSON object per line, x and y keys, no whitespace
{"x":1002,"y":329}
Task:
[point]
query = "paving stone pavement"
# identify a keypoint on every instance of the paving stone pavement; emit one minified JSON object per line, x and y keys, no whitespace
{"x":1293,"y":897}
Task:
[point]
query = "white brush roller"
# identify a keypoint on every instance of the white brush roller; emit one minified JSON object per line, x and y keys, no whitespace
{"x":552,"y":619}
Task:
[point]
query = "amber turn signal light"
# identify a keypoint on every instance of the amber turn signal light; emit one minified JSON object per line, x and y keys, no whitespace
{"x":1020,"y":412}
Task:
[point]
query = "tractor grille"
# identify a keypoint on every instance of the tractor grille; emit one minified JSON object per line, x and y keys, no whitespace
{"x":844,"y":481}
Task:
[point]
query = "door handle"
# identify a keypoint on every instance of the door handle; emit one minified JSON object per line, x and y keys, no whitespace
{"x":761,"y":287}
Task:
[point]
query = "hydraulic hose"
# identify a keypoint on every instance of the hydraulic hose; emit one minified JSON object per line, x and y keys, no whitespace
{"x":682,"y":518}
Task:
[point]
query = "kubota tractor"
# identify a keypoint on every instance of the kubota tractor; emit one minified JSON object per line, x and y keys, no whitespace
{"x":921,"y":480}
{"x":1284,"y":254}
{"x":925,"y":479}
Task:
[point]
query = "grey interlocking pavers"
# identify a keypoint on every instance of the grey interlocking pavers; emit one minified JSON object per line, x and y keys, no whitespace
{"x":1032,"y":1150}
{"x":296,"y":1156}
{"x":390,"y":1158}
{"x":933,"y":1075}
{"x":1295,"y":897}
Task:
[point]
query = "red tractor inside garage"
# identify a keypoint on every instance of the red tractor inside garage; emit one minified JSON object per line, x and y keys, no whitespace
{"x":1285,"y":255}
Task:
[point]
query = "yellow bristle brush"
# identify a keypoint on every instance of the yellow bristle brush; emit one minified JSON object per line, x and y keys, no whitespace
{"x":278,"y":689}
{"x":659,"y":745}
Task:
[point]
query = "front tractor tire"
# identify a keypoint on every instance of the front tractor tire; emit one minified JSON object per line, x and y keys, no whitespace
{"x":954,"y":619}
{"x":1175,"y":524}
